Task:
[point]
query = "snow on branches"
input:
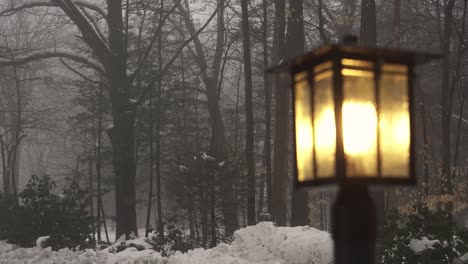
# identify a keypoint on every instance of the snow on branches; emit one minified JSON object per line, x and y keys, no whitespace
{"x":51,"y":53}
{"x":36,"y":3}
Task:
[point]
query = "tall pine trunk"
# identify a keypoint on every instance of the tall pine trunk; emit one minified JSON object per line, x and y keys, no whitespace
{"x":122,"y":133}
{"x":295,"y":46}
{"x":249,"y":135}
{"x":266,"y":82}
{"x":121,"y":136}
{"x":280,"y":149}
{"x":158,"y":132}
{"x":97,"y":136}
{"x":91,"y":191}
{"x":212,"y":208}
{"x":446,"y":100}
{"x":151,"y":164}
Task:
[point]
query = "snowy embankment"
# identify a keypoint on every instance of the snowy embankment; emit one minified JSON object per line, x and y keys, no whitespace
{"x":260,"y":244}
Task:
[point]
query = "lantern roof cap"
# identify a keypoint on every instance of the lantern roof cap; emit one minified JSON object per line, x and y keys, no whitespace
{"x":350,"y":50}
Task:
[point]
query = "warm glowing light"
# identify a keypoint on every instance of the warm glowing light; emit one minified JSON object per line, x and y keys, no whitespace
{"x":394,"y":122}
{"x":324,"y":121}
{"x":325,"y":131}
{"x":397,"y":132}
{"x":304,"y":145}
{"x":359,"y":127}
{"x":395,"y":144}
{"x":401,"y":130}
{"x":304,"y":130}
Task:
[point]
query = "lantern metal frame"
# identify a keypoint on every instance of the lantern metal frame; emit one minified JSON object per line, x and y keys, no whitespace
{"x":377,"y":56}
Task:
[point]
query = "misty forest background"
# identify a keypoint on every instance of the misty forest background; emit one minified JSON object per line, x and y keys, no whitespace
{"x":163,"y":112}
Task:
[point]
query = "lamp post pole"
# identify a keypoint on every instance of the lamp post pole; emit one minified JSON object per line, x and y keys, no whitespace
{"x":354,"y":225}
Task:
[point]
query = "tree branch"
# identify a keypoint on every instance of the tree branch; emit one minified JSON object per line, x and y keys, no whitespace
{"x":37,"y":3}
{"x":153,"y":40}
{"x":201,"y":61}
{"x":52,"y":53}
{"x":78,"y":73}
{"x":171,"y":61}
{"x":90,"y":36}
{"x":96,"y":26}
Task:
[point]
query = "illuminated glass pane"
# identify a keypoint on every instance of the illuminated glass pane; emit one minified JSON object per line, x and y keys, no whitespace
{"x":394,"y":121}
{"x":324,"y":122}
{"x":304,"y":132}
{"x":359,"y":121}
{"x":356,"y":63}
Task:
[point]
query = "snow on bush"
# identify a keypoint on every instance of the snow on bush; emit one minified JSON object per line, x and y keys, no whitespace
{"x":260,"y":244}
{"x":419,"y":245}
{"x":40,"y":241}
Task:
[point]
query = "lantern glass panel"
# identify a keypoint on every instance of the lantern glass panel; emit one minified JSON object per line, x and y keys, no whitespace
{"x":303,"y":127}
{"x":394,"y":121}
{"x":359,"y":118}
{"x":324,"y":121}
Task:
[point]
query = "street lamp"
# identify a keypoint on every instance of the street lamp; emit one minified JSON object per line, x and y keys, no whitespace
{"x":354,"y":126}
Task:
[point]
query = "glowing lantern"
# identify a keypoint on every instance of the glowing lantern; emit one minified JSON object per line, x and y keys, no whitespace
{"x":353,"y":115}
{"x":353,"y":121}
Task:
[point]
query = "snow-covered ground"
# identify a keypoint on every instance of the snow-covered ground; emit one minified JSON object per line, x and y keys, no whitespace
{"x":260,"y":244}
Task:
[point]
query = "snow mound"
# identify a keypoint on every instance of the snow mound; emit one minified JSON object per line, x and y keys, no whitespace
{"x":260,"y":244}
{"x":293,"y":245}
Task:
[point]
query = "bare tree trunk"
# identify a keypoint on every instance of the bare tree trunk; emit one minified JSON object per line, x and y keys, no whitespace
{"x":6,"y":178}
{"x":192,"y":220}
{"x":197,"y":228}
{"x":158,"y":133}
{"x":151,"y":164}
{"x":15,"y":166}
{"x":191,"y":204}
{"x":201,"y":185}
{"x":426,"y":143}
{"x":249,"y":135}
{"x":91,"y":191}
{"x":323,"y":35}
{"x":17,"y":135}
{"x":212,"y":209}
{"x":160,"y":226}
{"x":295,"y":46}
{"x":458,"y":137}
{"x":455,"y":82}
{"x":104,"y":222}
{"x":203,"y":203}
{"x":280,"y":150}
{"x":97,"y":136}
{"x":322,"y":211}
{"x":237,"y":157}
{"x":445,"y":102}
{"x":122,"y":134}
{"x":218,"y":139}
{"x":266,"y":82}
